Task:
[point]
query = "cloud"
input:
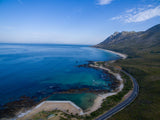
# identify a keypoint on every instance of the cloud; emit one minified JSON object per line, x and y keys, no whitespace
{"x":104,"y":2}
{"x":117,"y":17}
{"x":144,"y":15}
{"x":139,"y":14}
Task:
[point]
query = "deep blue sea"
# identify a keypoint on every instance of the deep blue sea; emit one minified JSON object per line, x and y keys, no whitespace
{"x":41,"y":69}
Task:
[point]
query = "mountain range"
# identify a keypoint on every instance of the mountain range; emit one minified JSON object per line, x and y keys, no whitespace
{"x":134,"y":43}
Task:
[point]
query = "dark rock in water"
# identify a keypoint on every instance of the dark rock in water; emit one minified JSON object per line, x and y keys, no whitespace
{"x":84,"y":65}
{"x":9,"y":110}
{"x":91,"y":62}
{"x":107,"y":76}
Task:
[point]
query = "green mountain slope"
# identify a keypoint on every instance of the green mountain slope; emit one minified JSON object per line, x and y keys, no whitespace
{"x":133,"y":43}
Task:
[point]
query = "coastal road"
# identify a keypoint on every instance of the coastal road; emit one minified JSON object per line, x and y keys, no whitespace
{"x":123,"y":104}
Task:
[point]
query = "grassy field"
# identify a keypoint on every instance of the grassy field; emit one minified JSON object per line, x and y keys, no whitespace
{"x":146,"y":70}
{"x":53,"y":115}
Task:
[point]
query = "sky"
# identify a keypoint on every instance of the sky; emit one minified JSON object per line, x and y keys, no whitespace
{"x":73,"y":21}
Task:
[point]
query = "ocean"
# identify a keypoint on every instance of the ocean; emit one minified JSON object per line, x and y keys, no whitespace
{"x":38,"y":70}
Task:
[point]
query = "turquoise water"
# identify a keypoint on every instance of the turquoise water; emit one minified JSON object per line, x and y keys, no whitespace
{"x":83,"y":100}
{"x":41,"y":69}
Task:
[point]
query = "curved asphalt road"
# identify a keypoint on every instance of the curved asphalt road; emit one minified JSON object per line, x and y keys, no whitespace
{"x":125,"y":102}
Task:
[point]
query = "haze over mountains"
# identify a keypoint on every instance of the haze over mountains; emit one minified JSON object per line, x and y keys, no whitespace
{"x":133,"y":43}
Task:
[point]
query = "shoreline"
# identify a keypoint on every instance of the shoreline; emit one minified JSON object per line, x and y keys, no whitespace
{"x":99,"y":100}
{"x":124,"y":56}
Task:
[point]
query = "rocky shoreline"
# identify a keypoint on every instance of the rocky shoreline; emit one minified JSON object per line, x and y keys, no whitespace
{"x":99,"y":100}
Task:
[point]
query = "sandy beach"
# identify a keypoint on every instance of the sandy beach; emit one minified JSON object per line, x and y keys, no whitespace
{"x":124,"y":56}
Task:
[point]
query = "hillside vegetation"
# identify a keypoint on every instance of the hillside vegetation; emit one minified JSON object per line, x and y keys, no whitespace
{"x":134,"y":43}
{"x":143,"y":63}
